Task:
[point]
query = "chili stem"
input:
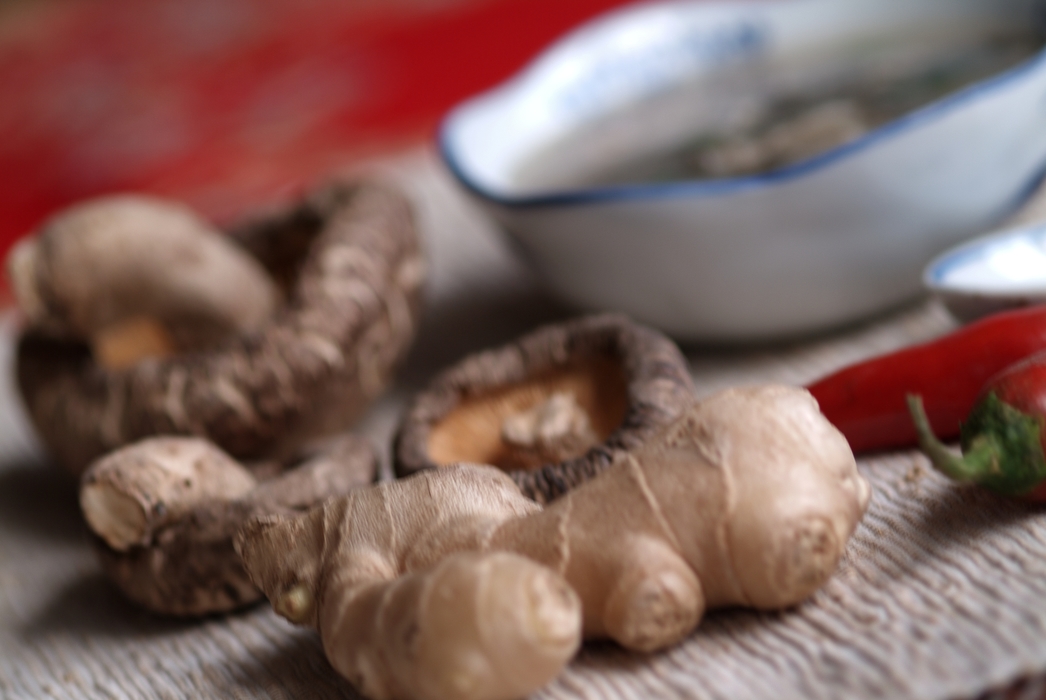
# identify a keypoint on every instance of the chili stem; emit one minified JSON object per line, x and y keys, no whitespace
{"x":980,"y":460}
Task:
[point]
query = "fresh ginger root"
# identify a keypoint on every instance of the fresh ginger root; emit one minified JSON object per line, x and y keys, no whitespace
{"x":402,"y":617}
{"x":748,"y":499}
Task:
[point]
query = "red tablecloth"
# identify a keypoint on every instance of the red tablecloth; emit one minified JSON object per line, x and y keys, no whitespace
{"x":224,"y":103}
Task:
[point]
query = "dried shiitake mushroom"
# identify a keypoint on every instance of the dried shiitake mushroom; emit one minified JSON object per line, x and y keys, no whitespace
{"x":143,"y":321}
{"x":552,"y":408}
{"x":163,"y":513}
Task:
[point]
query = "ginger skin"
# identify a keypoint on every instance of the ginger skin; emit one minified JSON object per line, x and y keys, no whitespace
{"x":494,"y":625}
{"x":164,"y":512}
{"x":748,"y":499}
{"x":361,"y":568}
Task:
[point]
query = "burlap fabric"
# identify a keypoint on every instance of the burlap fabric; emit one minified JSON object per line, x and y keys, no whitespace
{"x":942,"y":593}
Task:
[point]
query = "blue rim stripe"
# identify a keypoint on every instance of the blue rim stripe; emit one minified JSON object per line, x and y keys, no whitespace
{"x":706,"y":188}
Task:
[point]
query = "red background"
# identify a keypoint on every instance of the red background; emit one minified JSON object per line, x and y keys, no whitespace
{"x":226,"y":103}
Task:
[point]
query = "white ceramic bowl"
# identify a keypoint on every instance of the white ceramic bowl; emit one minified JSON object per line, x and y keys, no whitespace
{"x":816,"y":244}
{"x":1005,"y":269}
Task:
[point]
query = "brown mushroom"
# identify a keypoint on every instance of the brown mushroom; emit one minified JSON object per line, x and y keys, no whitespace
{"x":163,"y":513}
{"x":552,"y":408}
{"x":134,"y":271}
{"x":348,"y":263}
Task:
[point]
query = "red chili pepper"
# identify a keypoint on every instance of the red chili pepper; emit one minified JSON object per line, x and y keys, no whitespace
{"x":866,"y":401}
{"x":1003,"y":439}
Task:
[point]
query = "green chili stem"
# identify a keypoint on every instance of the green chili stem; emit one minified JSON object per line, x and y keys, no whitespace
{"x":980,"y":460}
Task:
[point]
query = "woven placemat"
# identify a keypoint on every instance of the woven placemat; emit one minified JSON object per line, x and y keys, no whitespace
{"x":942,"y":593}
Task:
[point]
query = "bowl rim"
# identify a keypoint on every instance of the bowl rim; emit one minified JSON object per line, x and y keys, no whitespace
{"x":701,"y":188}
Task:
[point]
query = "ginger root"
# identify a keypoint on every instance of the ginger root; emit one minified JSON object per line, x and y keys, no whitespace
{"x":164,"y":512}
{"x":401,"y":619}
{"x":748,"y":499}
{"x":495,"y":626}
{"x":138,"y":276}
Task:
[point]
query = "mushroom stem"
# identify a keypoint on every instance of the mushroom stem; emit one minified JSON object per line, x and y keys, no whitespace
{"x":130,"y":493}
{"x":164,"y":512}
{"x":556,"y":426}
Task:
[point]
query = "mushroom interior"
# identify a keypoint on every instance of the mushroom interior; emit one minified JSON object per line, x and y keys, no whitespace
{"x":280,"y":244}
{"x":125,"y":343}
{"x":556,"y":415}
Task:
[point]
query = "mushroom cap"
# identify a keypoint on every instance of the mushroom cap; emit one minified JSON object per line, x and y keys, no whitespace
{"x":112,"y":260}
{"x":607,"y":383}
{"x":351,"y":268}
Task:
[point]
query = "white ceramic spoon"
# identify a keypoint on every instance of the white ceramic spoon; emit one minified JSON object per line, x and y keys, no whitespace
{"x":1001,"y":270}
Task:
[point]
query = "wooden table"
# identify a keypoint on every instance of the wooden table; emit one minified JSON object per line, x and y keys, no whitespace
{"x":942,"y":593}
